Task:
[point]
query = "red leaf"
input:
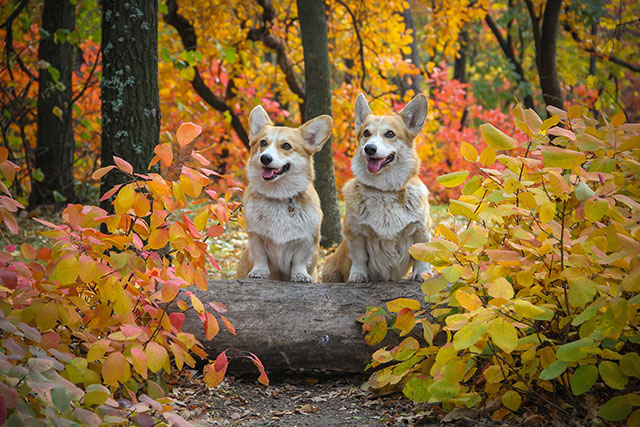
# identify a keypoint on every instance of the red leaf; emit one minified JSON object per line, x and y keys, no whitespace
{"x":221,"y":362}
{"x":110,"y":193}
{"x":177,"y":320}
{"x":218,"y":306}
{"x":123,"y":165}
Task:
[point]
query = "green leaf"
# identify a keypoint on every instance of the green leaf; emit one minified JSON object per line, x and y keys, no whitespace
{"x":96,"y":394}
{"x":559,"y":157}
{"x":583,"y":379}
{"x":574,"y":351}
{"x":630,"y":365}
{"x":554,"y":370}
{"x":162,"y":8}
{"x":229,"y":54}
{"x":581,"y":292}
{"x":497,"y":139}
{"x":453,"y":179}
{"x":612,"y":375}
{"x":60,"y":398}
{"x":616,"y":409}
{"x":417,"y":388}
{"x":58,"y":197}
{"x":584,"y":192}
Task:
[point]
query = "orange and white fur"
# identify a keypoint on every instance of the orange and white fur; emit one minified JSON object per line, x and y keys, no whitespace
{"x":281,"y":207}
{"x":386,"y":204}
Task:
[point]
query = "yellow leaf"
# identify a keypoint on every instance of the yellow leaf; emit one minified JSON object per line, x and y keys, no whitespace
{"x":456,"y":207}
{"x":125,"y":199}
{"x":500,"y":288}
{"x":503,"y":334}
{"x":469,"y":152}
{"x":115,"y":369}
{"x":560,"y":157}
{"x":526,"y":309}
{"x":496,"y":138}
{"x":66,"y":272}
{"x":618,"y":119}
{"x":452,"y":179}
{"x":511,"y":400}
{"x":547,"y":212}
{"x":399,"y":303}
{"x":468,"y":301}
{"x":47,"y":317}
{"x":488,"y":156}
{"x":156,"y":356}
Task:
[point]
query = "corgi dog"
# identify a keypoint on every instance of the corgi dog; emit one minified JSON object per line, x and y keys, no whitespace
{"x":281,"y":206}
{"x":386,"y":204}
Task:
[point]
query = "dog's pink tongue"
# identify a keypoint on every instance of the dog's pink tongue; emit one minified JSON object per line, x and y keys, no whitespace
{"x":374,"y":165}
{"x":268,"y":173}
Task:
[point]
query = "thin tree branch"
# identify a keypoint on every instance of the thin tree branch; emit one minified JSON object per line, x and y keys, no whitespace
{"x":601,"y":55}
{"x":360,"y":42}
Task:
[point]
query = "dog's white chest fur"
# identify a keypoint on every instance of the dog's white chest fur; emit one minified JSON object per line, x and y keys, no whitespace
{"x":281,"y":221}
{"x":385,"y":214}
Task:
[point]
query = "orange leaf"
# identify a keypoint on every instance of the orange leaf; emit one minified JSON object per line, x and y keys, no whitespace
{"x":228,"y":325}
{"x":187,"y":132}
{"x":215,"y":231}
{"x":139,"y":361}
{"x":405,"y":320}
{"x":169,"y":291}
{"x":200,"y":158}
{"x":211,"y":326}
{"x":158,"y":238}
{"x":123,"y":165}
{"x":164,"y":153}
{"x":115,"y":368}
{"x":4,"y":154}
{"x":99,"y":173}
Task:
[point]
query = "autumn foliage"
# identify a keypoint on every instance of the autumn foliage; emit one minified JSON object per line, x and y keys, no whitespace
{"x":97,"y":315}
{"x":537,"y":299}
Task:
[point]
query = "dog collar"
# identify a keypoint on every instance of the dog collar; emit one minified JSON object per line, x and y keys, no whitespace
{"x":292,"y":207}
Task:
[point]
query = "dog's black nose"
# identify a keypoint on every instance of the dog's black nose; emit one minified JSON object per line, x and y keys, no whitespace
{"x":370,"y":149}
{"x":265,"y":159}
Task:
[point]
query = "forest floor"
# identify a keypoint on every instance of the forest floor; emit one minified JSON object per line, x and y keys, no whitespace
{"x":310,"y":402}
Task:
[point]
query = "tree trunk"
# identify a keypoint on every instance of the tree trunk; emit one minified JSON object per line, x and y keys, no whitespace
{"x":55,"y":142}
{"x":460,"y":64}
{"x":549,"y":81}
{"x":313,"y":28}
{"x":297,"y":327}
{"x":130,"y":99}
{"x":411,"y":82}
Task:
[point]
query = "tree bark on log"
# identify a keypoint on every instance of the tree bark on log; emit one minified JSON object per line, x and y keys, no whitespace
{"x":297,"y":327}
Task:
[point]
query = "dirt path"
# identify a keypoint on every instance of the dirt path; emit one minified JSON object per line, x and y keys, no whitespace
{"x":296,"y":402}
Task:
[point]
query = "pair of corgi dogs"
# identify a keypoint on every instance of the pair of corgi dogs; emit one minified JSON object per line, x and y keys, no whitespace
{"x":386,"y":204}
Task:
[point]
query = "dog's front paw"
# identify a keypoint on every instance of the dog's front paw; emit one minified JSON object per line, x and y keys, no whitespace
{"x":301,"y":277}
{"x":357,"y":277}
{"x":259,"y":273}
{"x":420,"y":273}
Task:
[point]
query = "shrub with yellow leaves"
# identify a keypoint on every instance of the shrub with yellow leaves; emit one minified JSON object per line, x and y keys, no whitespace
{"x":537,"y":299}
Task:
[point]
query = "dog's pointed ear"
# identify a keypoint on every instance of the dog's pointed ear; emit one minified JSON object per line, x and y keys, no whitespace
{"x":316,"y":132}
{"x":258,"y":119}
{"x":362,"y":110}
{"x":414,"y":113}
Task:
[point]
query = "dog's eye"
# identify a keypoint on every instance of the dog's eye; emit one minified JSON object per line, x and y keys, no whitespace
{"x":286,"y":146}
{"x":389,"y":134}
{"x":366,"y":133}
{"x":263,"y":143}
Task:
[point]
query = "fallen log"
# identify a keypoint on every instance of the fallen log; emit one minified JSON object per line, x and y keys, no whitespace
{"x":297,"y":327}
